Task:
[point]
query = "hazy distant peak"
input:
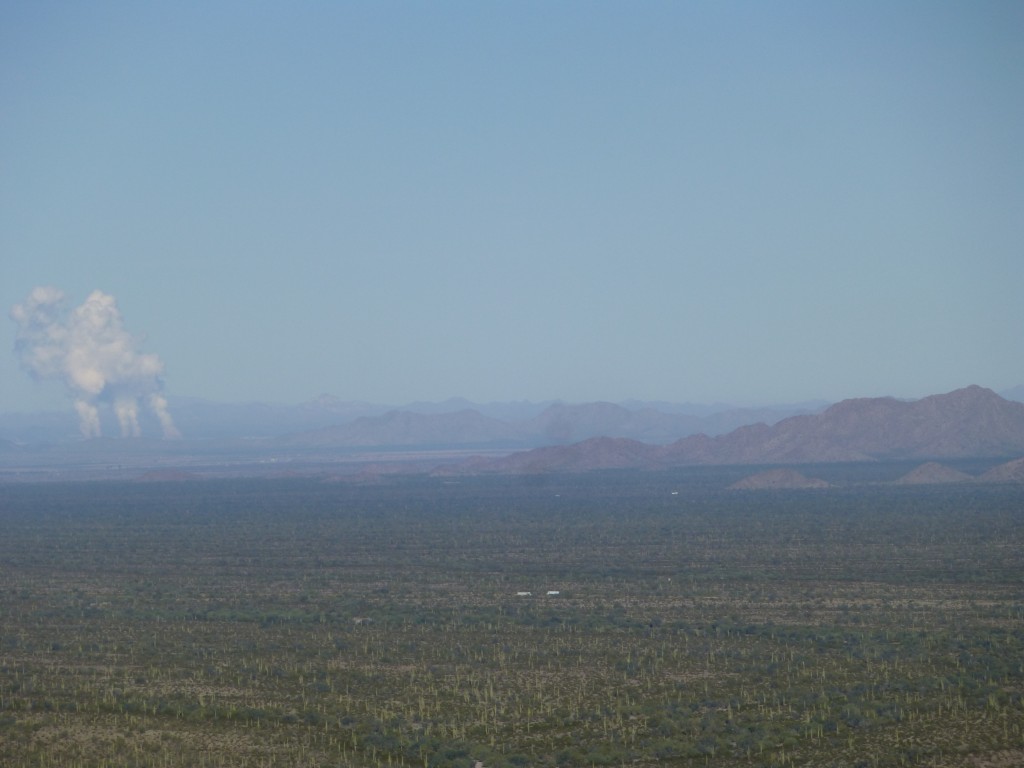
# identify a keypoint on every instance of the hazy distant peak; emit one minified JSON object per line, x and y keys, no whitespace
{"x":972,"y":421}
{"x":325,"y":401}
{"x":932,"y":473}
{"x":333,"y":403}
{"x":1010,"y":472}
{"x":970,"y":395}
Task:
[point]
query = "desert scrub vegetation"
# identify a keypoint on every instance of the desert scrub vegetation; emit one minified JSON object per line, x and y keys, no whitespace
{"x":293,"y":622}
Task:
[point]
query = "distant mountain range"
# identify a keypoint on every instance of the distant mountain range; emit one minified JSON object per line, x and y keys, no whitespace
{"x":556,"y":424}
{"x":330,"y":422}
{"x":453,"y":439}
{"x":969,"y":422}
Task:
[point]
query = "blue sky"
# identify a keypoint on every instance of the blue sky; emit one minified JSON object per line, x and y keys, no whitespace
{"x":688,"y":201}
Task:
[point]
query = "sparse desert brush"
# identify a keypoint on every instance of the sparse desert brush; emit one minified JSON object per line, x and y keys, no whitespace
{"x":292,"y":623}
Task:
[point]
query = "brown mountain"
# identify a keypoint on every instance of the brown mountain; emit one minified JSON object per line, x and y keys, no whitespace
{"x":595,"y":453}
{"x":966,"y":422}
{"x":969,"y":422}
{"x":1010,"y":472}
{"x":932,"y":473}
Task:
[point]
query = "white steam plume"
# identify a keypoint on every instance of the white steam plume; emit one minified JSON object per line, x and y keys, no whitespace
{"x":88,"y":418}
{"x":127,"y":410}
{"x":96,"y":358}
{"x":158,"y":404}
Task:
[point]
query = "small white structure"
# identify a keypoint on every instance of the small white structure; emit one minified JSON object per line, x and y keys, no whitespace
{"x":523,"y":594}
{"x":552,"y":592}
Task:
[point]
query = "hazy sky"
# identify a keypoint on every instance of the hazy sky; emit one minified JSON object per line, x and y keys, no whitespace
{"x":703,"y":201}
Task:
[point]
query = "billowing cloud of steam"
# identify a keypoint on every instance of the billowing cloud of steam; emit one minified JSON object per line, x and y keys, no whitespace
{"x":89,"y":350}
